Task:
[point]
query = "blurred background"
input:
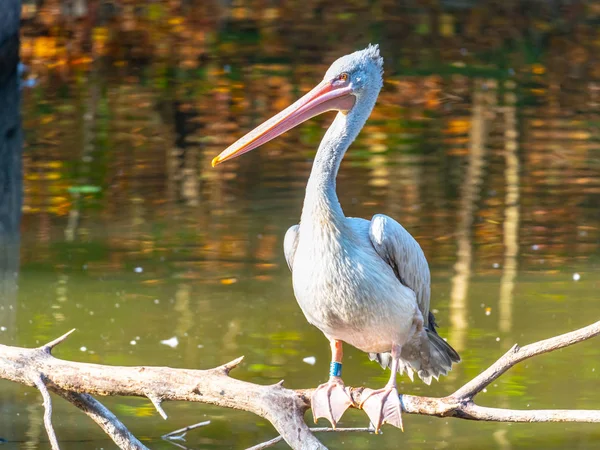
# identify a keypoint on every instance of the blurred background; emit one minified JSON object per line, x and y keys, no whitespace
{"x":484,"y":144}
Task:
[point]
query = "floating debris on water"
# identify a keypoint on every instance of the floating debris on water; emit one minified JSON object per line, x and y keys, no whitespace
{"x":173,"y":342}
{"x":576,"y":276}
{"x":310,"y":360}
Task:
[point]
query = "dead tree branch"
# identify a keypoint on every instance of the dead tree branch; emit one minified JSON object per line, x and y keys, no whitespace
{"x":180,"y":433}
{"x":39,"y":383}
{"x":284,"y":408}
{"x":272,"y":442}
{"x":105,"y":419}
{"x":516,"y":355}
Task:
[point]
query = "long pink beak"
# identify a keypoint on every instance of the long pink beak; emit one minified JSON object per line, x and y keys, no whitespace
{"x":324,"y":97}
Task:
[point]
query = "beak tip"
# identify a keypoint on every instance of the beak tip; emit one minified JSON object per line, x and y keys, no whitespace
{"x":215,"y":161}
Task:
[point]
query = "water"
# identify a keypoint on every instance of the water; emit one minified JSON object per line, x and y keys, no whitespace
{"x":484,"y":145}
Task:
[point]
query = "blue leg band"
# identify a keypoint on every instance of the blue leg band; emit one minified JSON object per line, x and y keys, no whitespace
{"x":335,"y":369}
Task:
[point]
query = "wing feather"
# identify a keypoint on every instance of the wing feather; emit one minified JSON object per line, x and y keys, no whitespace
{"x":290,"y":243}
{"x":404,"y":254}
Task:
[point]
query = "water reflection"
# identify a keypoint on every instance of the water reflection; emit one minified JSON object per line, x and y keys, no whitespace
{"x":483,"y":144}
{"x":511,"y":212}
{"x":35,"y":431}
{"x":483,"y":102}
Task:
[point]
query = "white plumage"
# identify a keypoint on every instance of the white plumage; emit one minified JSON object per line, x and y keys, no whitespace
{"x":363,"y":282}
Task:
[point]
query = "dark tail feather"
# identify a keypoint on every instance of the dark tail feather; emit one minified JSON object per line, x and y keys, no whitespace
{"x":441,"y":357}
{"x":440,"y":360}
{"x":440,"y":344}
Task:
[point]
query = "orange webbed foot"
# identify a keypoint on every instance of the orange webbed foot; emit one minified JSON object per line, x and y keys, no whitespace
{"x":383,"y":406}
{"x":330,"y":400}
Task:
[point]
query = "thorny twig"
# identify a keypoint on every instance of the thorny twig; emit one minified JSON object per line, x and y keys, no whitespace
{"x":180,"y":434}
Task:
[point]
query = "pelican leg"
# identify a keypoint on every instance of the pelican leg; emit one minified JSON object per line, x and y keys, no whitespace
{"x":330,"y":400}
{"x":383,"y":405}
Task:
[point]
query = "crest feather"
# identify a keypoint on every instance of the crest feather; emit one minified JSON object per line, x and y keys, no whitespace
{"x":372,"y":51}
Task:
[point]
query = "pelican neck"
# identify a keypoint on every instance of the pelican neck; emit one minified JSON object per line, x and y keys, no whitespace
{"x":321,"y":200}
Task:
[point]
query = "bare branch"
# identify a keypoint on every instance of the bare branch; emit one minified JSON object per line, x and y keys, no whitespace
{"x":50,"y":345}
{"x":156,"y":401}
{"x":266,"y":444}
{"x":516,"y":355}
{"x":105,"y":419}
{"x":228,"y":367}
{"x":476,"y":412}
{"x":39,"y":383}
{"x":178,"y":434}
{"x":283,"y":407}
{"x":272,"y":442}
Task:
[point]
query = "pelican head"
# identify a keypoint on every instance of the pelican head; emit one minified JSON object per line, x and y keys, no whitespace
{"x":352,"y":82}
{"x":362,"y":71}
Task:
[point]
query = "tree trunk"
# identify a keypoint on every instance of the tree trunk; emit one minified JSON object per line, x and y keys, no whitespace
{"x":10,"y":164}
{"x":10,"y":185}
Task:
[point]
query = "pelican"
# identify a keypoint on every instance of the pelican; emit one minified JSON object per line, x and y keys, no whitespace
{"x":362,"y":282}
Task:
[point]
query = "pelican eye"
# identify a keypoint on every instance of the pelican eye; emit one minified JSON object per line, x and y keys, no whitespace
{"x":343,"y":77}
